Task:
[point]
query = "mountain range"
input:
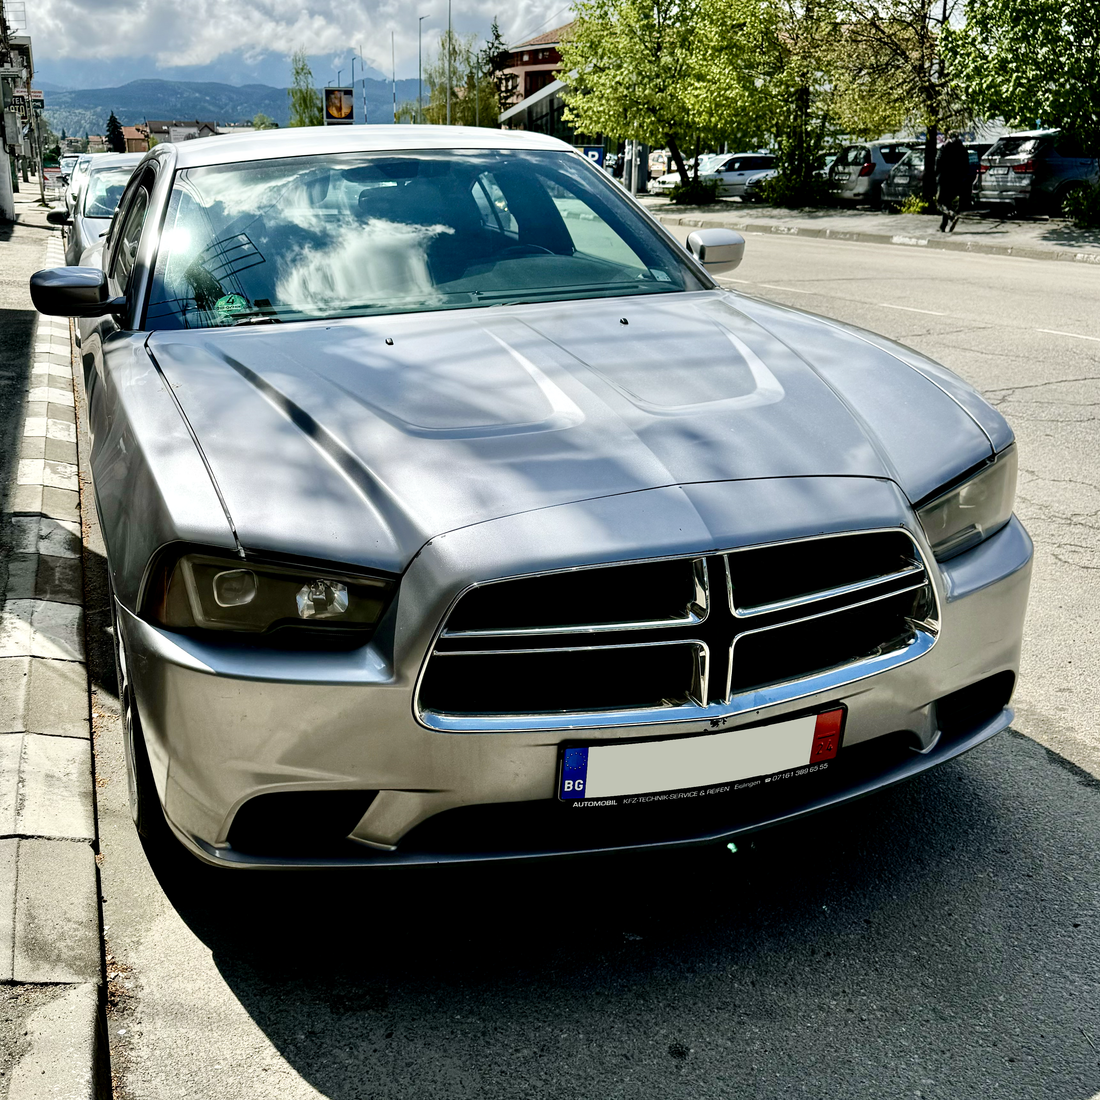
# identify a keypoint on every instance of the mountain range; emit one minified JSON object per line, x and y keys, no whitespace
{"x":87,"y":110}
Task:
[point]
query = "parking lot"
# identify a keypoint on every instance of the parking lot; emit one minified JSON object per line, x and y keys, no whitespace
{"x":937,"y":940}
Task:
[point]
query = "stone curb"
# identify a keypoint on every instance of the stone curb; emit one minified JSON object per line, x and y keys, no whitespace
{"x":50,"y":922}
{"x":942,"y":244}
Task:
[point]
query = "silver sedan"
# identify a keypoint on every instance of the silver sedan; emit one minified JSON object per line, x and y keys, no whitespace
{"x":453,"y":511}
{"x":95,"y":203}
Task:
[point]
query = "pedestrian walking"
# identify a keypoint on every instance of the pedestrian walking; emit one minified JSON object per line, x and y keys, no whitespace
{"x":952,"y":180}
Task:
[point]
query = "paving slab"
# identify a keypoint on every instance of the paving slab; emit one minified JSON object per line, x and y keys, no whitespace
{"x":35,"y":628}
{"x":43,"y":696}
{"x":57,"y":935}
{"x":58,"y":1060}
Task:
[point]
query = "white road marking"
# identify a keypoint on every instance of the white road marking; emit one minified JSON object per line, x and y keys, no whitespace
{"x":789,"y":289}
{"x":1075,"y":335}
{"x":912,"y":309}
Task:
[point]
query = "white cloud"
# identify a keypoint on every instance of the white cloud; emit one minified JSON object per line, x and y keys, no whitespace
{"x":198,"y":32}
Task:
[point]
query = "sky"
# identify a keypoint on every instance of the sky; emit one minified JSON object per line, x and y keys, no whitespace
{"x":105,"y":43}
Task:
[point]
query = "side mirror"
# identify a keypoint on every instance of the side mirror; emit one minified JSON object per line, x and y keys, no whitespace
{"x":73,"y":292}
{"x":718,"y":250}
{"x":59,"y":217}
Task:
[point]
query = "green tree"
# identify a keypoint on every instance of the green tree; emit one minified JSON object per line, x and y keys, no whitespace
{"x":1031,"y":61}
{"x":264,"y":122}
{"x":115,"y":140}
{"x":473,"y":93}
{"x":631,"y":70}
{"x":769,"y":67}
{"x":305,"y":100}
{"x":494,"y":59}
{"x":891,"y":72}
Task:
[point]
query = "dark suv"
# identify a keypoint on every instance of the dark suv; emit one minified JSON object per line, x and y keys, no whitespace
{"x":1034,"y":172}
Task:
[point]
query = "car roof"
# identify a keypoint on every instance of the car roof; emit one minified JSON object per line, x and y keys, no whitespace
{"x":115,"y":160}
{"x":303,"y":141}
{"x":1030,"y":134}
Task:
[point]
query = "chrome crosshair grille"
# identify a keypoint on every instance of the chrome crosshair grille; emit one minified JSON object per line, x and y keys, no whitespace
{"x":671,"y":640}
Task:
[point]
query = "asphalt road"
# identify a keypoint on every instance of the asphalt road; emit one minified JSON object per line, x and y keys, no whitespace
{"x":938,"y":940}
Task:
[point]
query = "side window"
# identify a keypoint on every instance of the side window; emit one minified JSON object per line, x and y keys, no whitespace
{"x":1068,"y":146}
{"x":129,"y":233}
{"x":493,"y":206}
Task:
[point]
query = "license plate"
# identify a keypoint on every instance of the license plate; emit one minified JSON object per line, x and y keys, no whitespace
{"x":999,"y":170}
{"x":618,"y":773}
{"x":901,"y":177}
{"x":841,"y":174}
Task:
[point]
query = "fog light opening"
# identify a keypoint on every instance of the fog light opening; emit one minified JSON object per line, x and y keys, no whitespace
{"x":234,"y":587}
{"x":322,"y":599}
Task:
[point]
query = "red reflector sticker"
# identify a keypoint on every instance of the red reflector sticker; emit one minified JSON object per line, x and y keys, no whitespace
{"x":827,"y":736}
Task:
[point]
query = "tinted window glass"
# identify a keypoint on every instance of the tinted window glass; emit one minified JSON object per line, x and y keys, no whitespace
{"x":353,"y":234}
{"x":103,"y":191}
{"x":892,"y":153}
{"x":126,"y":252}
{"x":1015,"y":147}
{"x":1068,"y":146}
{"x":852,"y":155}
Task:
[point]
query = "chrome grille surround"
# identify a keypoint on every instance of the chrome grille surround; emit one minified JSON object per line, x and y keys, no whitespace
{"x":713,"y":630}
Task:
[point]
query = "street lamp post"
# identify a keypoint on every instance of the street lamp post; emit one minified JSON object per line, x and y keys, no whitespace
{"x":449,"y":46}
{"x":419,"y":79}
{"x":393,"y":77}
{"x":363,"y":66}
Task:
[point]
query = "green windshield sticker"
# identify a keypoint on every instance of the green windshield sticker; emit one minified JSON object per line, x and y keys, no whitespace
{"x":231,"y":303}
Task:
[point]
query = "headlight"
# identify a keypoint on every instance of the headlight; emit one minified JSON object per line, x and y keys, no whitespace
{"x":968,"y":513}
{"x":209,"y":592}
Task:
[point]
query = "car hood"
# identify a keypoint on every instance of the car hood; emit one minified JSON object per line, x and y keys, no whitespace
{"x":358,"y":440}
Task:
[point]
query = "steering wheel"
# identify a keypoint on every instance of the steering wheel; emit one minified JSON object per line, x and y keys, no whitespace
{"x":523,"y":250}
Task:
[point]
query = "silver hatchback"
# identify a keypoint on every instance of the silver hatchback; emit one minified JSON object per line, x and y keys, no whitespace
{"x":859,"y":171}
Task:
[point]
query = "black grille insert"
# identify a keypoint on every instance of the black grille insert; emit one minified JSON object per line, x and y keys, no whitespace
{"x":609,"y":678}
{"x":773,"y":574}
{"x":660,"y":591}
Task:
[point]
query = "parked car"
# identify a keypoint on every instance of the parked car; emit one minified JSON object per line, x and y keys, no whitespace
{"x":754,"y":183}
{"x":1034,"y":172}
{"x":906,"y":178}
{"x":96,"y":202}
{"x":824,"y":163}
{"x":77,"y":177}
{"x":671,"y":179}
{"x":67,"y":164}
{"x":859,"y":171}
{"x":734,"y":172}
{"x":452,"y":510}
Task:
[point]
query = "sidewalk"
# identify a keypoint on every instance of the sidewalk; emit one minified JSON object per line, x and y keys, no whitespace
{"x":50,"y":942}
{"x":1033,"y":239}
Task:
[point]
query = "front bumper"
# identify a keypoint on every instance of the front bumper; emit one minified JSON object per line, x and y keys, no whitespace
{"x":224,"y":724}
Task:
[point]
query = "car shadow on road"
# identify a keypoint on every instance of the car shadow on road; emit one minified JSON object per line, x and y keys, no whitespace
{"x":938,"y":939}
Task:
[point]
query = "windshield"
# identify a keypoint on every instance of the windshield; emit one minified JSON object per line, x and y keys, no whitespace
{"x":103,"y":190}
{"x":1015,"y":147}
{"x":353,"y":234}
{"x":853,"y":155}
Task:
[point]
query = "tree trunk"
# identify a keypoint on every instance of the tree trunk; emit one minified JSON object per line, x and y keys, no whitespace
{"x":928,"y":185}
{"x":678,"y":159}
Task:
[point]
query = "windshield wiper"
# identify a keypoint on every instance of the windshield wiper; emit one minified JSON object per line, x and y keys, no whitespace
{"x":262,"y":319}
{"x":511,"y":298}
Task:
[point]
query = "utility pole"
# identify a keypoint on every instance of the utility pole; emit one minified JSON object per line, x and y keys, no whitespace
{"x":393,"y":75}
{"x":419,"y":79}
{"x":363,"y":66}
{"x":449,"y":47}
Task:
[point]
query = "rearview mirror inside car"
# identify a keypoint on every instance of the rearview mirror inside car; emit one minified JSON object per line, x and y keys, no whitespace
{"x":717,"y":250}
{"x":73,"y":292}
